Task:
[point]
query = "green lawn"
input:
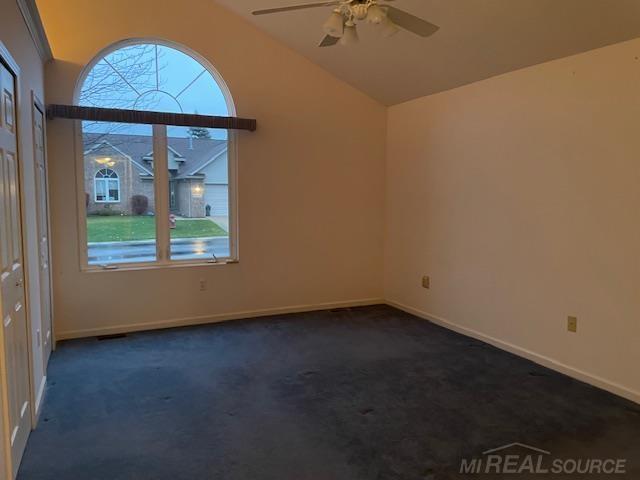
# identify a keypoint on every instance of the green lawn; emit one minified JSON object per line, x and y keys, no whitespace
{"x":122,"y":229}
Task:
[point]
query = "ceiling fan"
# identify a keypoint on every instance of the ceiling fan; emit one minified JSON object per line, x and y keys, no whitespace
{"x":341,"y":26}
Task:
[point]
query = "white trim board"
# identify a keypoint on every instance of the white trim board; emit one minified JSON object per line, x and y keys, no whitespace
{"x":33,"y":21}
{"x":39,"y":399}
{"x":545,"y":361}
{"x":209,"y":319}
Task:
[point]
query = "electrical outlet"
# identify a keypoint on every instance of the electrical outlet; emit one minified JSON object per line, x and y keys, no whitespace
{"x":572,"y":324}
{"x":426,"y":282}
{"x":203,"y":285}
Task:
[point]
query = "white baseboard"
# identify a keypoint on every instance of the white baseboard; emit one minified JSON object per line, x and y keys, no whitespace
{"x":205,"y":319}
{"x":545,"y":361}
{"x":40,"y":396}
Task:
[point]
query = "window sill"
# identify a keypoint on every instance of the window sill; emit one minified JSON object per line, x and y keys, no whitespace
{"x":155,"y":266}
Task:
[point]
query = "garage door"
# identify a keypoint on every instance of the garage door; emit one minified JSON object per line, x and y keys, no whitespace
{"x":218,"y":197}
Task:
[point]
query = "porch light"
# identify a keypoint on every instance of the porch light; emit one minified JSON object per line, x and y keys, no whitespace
{"x":197,"y":191}
{"x":106,"y":161}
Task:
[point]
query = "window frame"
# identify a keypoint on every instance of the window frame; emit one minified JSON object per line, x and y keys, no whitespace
{"x":105,"y":181}
{"x":161,"y":188}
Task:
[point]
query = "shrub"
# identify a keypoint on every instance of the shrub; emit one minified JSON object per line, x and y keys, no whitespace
{"x":107,"y":212}
{"x":139,"y":204}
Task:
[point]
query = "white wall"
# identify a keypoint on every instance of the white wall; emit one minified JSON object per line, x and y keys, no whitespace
{"x":16,"y":38}
{"x":310,"y":179}
{"x":520,"y":196}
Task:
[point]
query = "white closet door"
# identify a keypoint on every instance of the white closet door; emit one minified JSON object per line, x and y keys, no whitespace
{"x":15,"y":363}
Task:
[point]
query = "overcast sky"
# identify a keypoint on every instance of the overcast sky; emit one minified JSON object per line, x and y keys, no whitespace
{"x":155,"y":78}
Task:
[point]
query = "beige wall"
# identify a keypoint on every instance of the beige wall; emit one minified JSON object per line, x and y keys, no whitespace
{"x":310,"y":179}
{"x":16,"y":38}
{"x":520,"y":196}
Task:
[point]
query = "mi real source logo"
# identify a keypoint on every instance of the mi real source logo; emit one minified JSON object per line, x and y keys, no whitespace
{"x":537,"y":461}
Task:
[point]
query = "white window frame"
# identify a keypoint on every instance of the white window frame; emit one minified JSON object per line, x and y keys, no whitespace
{"x":105,"y":181}
{"x":161,"y":177}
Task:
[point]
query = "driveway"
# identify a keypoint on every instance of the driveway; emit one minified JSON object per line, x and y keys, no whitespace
{"x":221,"y":220}
{"x":107,"y":253}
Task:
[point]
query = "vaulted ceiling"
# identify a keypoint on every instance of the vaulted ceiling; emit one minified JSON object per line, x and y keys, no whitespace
{"x":477,"y":39}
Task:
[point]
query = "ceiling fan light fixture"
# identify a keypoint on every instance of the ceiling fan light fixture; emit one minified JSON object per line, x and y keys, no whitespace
{"x":388,"y":28}
{"x":350,"y":36}
{"x":376,"y":15}
{"x":334,"y":25}
{"x":360,"y":11}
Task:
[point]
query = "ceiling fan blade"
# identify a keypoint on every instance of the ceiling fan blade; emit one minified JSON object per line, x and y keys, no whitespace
{"x":411,"y":22}
{"x":295,"y":7}
{"x":329,"y":41}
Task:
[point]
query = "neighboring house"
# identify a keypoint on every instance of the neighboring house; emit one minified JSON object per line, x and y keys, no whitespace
{"x":117,"y":167}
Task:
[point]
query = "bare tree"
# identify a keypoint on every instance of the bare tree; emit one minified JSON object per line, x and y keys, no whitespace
{"x":127,"y":79}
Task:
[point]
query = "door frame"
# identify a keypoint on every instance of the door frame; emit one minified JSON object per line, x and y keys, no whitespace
{"x":38,"y":395}
{"x":39,"y":105}
{"x":12,"y":65}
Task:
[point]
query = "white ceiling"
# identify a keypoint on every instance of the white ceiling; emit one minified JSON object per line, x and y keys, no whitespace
{"x":477,"y":39}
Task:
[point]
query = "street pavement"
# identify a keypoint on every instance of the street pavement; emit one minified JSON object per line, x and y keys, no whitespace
{"x":109,"y":253}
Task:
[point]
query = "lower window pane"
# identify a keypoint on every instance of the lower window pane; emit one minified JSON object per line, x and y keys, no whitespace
{"x":198,"y":193}
{"x":114,"y":190}
{"x":119,"y":193}
{"x":100,"y":191}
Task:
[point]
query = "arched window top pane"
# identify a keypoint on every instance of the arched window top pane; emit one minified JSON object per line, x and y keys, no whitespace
{"x":152,"y":77}
{"x":106,"y":173}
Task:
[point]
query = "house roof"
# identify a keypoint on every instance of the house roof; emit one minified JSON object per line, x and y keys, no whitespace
{"x":194,"y":154}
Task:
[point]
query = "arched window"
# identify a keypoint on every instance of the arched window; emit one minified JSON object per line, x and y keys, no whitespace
{"x":192,"y":209}
{"x":107,"y":186}
{"x":154,"y":76}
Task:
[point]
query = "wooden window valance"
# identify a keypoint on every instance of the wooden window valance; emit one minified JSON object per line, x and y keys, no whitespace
{"x":114,"y":115}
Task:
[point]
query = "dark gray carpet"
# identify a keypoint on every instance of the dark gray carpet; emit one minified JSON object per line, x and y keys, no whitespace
{"x":365,"y":393}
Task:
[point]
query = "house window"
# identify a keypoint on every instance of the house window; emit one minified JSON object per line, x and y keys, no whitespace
{"x":107,"y":186}
{"x":188,"y":215}
{"x":172,"y":196}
